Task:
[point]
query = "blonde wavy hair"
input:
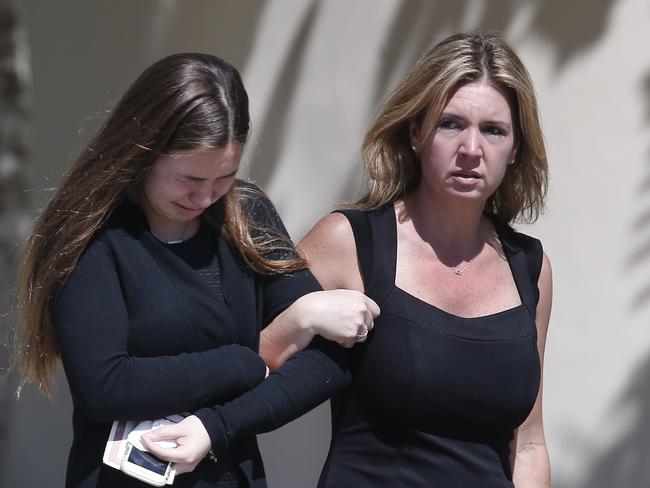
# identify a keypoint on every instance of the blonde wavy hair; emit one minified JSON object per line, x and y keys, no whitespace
{"x":392,"y":165}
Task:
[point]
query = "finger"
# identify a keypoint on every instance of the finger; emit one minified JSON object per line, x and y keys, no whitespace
{"x":180,"y":455}
{"x":368,"y":320}
{"x":370,"y":325}
{"x":362,"y":331}
{"x":362,"y":334}
{"x":166,"y":432}
{"x":165,"y":453}
{"x":372,"y":306}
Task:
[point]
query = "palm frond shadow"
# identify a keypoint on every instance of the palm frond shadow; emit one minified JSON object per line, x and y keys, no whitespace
{"x":624,"y":463}
{"x":572,"y":27}
{"x":407,"y":37}
{"x":555,"y":20}
{"x":226,"y":28}
{"x":640,"y":255}
{"x":273,"y":128}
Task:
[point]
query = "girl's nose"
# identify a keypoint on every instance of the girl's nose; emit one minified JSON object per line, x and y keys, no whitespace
{"x":202,"y":197}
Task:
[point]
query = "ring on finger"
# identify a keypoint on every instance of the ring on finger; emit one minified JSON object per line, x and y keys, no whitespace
{"x":363,"y":335}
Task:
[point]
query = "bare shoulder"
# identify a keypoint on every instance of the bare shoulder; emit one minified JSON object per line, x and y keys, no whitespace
{"x":332,"y":254}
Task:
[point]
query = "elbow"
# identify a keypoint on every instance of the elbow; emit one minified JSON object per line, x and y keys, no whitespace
{"x":339,"y":381}
{"x":100,"y":407}
{"x":111,"y":396}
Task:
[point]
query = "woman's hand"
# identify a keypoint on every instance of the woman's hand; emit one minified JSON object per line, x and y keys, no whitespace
{"x":193,"y":443}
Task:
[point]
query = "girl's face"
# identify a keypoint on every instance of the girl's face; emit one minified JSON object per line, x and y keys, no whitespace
{"x":180,"y":186}
{"x":469,"y":150}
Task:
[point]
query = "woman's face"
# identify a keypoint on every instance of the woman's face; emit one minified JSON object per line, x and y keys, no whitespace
{"x":467,"y":153}
{"x":180,"y":186}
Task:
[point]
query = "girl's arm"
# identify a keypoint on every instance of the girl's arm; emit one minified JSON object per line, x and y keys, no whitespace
{"x":107,"y":382}
{"x":303,"y":382}
{"x":336,"y":315}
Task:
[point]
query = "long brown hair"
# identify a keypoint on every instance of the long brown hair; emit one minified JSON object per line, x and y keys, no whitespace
{"x":392,"y":165}
{"x":182,"y":102}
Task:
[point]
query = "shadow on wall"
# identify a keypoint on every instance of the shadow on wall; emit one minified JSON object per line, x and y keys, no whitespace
{"x":225,"y":28}
{"x":417,"y":25}
{"x":572,"y":27}
{"x":641,"y":255}
{"x":625,"y":463}
{"x":273,"y":128}
{"x":554,"y":20}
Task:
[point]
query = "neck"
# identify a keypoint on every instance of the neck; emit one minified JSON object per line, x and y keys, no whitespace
{"x":166,"y":230}
{"x":455,"y":232}
{"x":174,"y":235}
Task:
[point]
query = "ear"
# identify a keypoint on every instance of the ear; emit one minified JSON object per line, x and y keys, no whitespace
{"x":414,"y":132}
{"x":514,"y":154}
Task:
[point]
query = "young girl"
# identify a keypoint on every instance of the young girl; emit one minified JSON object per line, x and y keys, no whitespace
{"x":152,"y":271}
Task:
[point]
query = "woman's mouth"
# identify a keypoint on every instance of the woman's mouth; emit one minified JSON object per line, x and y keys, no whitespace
{"x":466,"y":175}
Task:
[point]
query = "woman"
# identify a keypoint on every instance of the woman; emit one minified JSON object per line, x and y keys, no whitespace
{"x":447,"y":390}
{"x":152,"y":270}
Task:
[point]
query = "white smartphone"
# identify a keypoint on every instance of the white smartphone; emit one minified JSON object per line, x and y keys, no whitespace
{"x":147,"y":467}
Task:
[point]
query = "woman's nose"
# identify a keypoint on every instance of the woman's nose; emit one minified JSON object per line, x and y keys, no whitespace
{"x":470,"y":144}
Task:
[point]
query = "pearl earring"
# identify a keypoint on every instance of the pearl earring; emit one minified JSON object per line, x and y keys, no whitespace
{"x":413,"y":147}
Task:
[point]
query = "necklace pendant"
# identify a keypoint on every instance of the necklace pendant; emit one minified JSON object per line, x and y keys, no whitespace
{"x":458,"y":270}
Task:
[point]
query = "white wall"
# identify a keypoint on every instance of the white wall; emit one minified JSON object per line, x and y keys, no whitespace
{"x":316,"y":71}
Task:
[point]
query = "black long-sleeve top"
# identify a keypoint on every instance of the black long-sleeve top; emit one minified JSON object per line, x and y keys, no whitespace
{"x":147,"y":329}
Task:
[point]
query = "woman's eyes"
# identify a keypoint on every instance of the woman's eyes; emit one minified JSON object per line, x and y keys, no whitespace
{"x":448,"y":124}
{"x":453,"y":125}
{"x":494,"y":130}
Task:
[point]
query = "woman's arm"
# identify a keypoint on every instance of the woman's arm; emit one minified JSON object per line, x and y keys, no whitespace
{"x":107,"y":383}
{"x":530,"y":464}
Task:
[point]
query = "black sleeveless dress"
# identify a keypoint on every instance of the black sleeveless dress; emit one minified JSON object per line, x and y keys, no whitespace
{"x":435,"y":397}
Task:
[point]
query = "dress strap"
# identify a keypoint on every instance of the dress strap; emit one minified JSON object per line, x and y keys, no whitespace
{"x":375,"y":236}
{"x":525,"y":256}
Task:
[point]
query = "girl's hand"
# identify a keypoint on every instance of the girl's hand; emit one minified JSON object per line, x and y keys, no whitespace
{"x":343,"y":316}
{"x":191,"y":437}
